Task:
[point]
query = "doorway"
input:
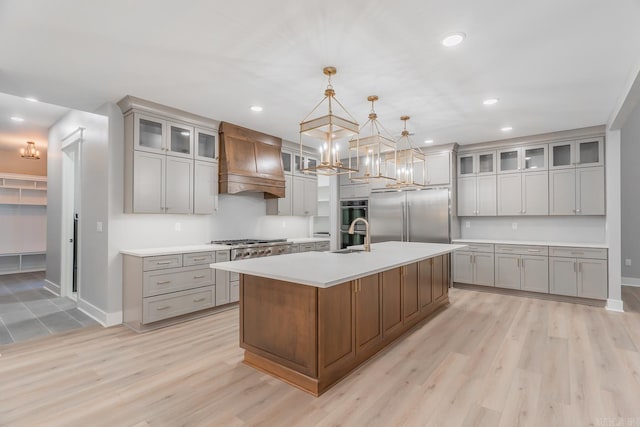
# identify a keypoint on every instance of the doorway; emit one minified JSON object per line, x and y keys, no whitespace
{"x":70,"y":276}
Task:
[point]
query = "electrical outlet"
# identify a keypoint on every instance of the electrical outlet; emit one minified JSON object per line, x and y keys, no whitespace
{"x":99,"y":226}
{"x":514,"y":225}
{"x":467,"y":224}
{"x":177,"y":226}
{"x":627,"y":262}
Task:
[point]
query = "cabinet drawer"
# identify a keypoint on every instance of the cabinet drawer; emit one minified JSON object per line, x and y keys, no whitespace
{"x":522,"y":250}
{"x":295,"y":249}
{"x":322,"y":246}
{"x":163,"y":261}
{"x":233,"y":276}
{"x":477,"y":247}
{"x":222,"y":256}
{"x":306,"y":247}
{"x":162,"y":282}
{"x":569,"y":252}
{"x":178,"y":303}
{"x":198,"y":258}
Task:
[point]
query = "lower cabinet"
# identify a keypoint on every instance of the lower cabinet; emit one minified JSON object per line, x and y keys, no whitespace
{"x":474,"y":266}
{"x":584,"y":277}
{"x":227,"y":283}
{"x":522,"y":267}
{"x":368,"y":313}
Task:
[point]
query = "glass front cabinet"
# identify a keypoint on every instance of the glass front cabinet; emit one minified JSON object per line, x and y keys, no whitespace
{"x":161,"y":136}
{"x":471,"y":164}
{"x":206,"y":144}
{"x":577,"y":154}
{"x":522,"y":159}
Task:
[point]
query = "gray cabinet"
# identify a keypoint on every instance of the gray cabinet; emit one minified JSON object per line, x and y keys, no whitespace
{"x":206,"y":145}
{"x":438,"y":168}
{"x":162,"y":184}
{"x":522,"y":267}
{"x":579,"y":272}
{"x":481,"y":163}
{"x":523,"y":193}
{"x":577,"y":191}
{"x":205,"y":187}
{"x":522,"y":159}
{"x":588,"y":152}
{"x":223,"y":280}
{"x":305,"y":196}
{"x":474,"y":266}
{"x":477,"y":196}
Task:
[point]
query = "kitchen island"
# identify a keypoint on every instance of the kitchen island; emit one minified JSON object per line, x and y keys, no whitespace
{"x":311,"y":318}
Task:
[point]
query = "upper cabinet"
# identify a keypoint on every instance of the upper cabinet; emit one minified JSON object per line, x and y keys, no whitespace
{"x":482,"y":163}
{"x":301,"y":189}
{"x":438,"y":168}
{"x":577,"y":154}
{"x":170,"y":160}
{"x":522,"y":159}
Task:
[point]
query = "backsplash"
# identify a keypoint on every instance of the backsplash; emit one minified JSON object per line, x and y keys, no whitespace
{"x":587,"y":229}
{"x":276,"y":227}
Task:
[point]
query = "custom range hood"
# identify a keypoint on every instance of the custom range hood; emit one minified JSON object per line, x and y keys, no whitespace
{"x":250,"y":161}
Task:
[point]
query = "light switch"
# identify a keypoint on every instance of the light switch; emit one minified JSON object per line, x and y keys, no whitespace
{"x":627,"y":262}
{"x":514,"y":225}
{"x":99,"y":226}
{"x":177,"y":226}
{"x":467,"y":224}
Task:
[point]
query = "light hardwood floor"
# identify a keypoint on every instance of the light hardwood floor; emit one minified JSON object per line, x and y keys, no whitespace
{"x":631,"y":298}
{"x":486,"y":360}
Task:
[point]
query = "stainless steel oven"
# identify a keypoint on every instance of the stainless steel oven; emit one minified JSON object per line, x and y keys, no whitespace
{"x":350,"y":210}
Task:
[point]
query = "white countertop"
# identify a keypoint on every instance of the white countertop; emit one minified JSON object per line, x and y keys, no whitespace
{"x":326,"y":269}
{"x":174,"y":250}
{"x":296,"y":240}
{"x":533,"y":242}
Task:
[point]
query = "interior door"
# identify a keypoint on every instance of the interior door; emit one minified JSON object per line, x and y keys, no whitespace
{"x":427,"y":216}
{"x":386,"y":216}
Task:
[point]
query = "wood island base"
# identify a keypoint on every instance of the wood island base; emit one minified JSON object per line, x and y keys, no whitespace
{"x":312,"y":337}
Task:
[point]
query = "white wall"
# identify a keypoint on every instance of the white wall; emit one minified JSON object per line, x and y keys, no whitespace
{"x":554,"y":229}
{"x":93,"y":205}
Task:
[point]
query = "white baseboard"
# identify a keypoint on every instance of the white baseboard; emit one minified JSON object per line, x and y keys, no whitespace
{"x":101,"y":316}
{"x":630,"y":281}
{"x":615,"y":305}
{"x":52,"y":287}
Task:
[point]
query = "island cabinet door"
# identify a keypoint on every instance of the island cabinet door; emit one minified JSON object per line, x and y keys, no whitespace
{"x":391,"y":303}
{"x":336,"y":337}
{"x":425,"y":285}
{"x":368,"y":314}
{"x":411,"y":305}
{"x":440,"y":288}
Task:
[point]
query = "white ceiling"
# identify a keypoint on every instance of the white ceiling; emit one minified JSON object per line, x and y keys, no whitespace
{"x":554,"y":64}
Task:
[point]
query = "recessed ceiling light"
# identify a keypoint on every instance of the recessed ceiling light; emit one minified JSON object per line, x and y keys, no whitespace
{"x":491,"y":101}
{"x":17,"y":119}
{"x":453,"y":39}
{"x":506,"y":129}
{"x":31,"y":99}
{"x":428,"y":141}
{"x":256,"y":108}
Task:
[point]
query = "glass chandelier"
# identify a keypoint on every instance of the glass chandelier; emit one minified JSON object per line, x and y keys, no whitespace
{"x":371,"y":150}
{"x":329,"y":134}
{"x":30,"y":152}
{"x":409,"y":164}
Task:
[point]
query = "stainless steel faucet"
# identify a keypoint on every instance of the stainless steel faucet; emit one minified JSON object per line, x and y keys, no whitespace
{"x":367,"y":236}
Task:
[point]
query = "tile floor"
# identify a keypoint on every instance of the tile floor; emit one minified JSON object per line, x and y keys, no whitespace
{"x":28,"y":311}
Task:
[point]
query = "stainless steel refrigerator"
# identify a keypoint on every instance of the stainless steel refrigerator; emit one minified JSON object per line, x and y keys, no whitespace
{"x":410,"y":216}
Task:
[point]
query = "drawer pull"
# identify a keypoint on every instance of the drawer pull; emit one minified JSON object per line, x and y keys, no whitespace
{"x":199,"y":277}
{"x":473,"y":247}
{"x":533,"y":250}
{"x":577,"y":253}
{"x":164,"y":282}
{"x":164,"y":307}
{"x":199,"y":259}
{"x":163,"y":262}
{"x":199,"y":299}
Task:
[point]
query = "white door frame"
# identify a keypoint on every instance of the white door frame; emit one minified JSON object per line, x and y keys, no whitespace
{"x":71,"y":203}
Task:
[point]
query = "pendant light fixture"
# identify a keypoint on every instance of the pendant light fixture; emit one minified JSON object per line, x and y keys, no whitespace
{"x":409,"y":163}
{"x":371,"y":150}
{"x":329,"y":134}
{"x":30,"y":152}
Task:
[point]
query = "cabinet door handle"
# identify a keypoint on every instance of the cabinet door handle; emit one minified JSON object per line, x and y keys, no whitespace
{"x":199,"y":277}
{"x":199,"y":299}
{"x":164,"y":282}
{"x":578,"y":210}
{"x":165,"y":307}
{"x":199,"y":259}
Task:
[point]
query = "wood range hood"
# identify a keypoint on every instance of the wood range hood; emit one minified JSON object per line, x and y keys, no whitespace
{"x":250,"y":161}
